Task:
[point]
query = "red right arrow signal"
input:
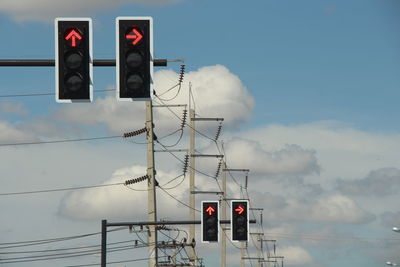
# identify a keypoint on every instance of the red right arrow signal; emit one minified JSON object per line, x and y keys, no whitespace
{"x":239,"y":209}
{"x":210,"y":210}
{"x":134,"y":35}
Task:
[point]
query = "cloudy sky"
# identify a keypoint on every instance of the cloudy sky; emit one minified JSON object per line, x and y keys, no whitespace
{"x":309,"y":95}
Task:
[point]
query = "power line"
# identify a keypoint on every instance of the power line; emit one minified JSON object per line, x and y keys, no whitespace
{"x":7,"y":245}
{"x":183,"y":203}
{"x":61,"y":141}
{"x":112,"y":262}
{"x":62,"y":249}
{"x":58,"y":190}
{"x":65,"y":254}
{"x":176,"y":157}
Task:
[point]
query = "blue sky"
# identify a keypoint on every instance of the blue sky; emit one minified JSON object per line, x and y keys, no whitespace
{"x":308,"y":90}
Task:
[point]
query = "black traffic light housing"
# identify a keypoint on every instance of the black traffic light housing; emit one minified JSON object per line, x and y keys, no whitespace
{"x":239,"y":220}
{"x":134,"y":61}
{"x":209,"y":221}
{"x":73,"y":60}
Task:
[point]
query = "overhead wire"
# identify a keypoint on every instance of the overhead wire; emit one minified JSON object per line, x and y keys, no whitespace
{"x":111,"y":262}
{"x":181,"y":202}
{"x":6,"y":245}
{"x":61,"y":141}
{"x":58,"y":189}
{"x":61,"y":249}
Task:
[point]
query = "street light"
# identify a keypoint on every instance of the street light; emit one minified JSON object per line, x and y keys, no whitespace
{"x":396,"y":229}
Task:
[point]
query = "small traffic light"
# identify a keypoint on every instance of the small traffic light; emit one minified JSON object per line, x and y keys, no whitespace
{"x":134,"y":60}
{"x":73,"y":60}
{"x":209,"y":221}
{"x":239,"y":220}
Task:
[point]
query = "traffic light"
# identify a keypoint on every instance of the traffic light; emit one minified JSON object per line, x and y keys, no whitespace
{"x":73,"y":60}
{"x":134,"y":58}
{"x":209,"y":221}
{"x":239,"y":220}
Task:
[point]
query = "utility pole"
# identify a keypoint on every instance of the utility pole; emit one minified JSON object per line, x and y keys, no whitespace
{"x":223,"y":216}
{"x":151,"y":186}
{"x":242,"y":255}
{"x":192,"y":200}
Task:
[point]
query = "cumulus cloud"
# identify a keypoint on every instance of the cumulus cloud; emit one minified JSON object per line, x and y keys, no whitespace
{"x":291,"y":159}
{"x":46,"y":10}
{"x":379,"y":183}
{"x":325,"y":208}
{"x":343,"y":151}
{"x":13,"y":108}
{"x":11,"y":133}
{"x":294,"y":255}
{"x":119,"y":202}
{"x":219,"y":93}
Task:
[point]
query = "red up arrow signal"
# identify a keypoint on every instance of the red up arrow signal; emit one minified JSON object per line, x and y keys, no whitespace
{"x":210,"y":210}
{"x":134,"y":35}
{"x":239,"y":209}
{"x":73,"y":36}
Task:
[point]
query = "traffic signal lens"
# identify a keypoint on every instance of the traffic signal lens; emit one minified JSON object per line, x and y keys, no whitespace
{"x":134,"y":60}
{"x":211,"y":220}
{"x":134,"y":35}
{"x":74,"y":82}
{"x":73,"y":60}
{"x":134,"y":82}
{"x":73,"y":37}
{"x":211,"y":232}
{"x":241,"y":232}
{"x":240,"y":221}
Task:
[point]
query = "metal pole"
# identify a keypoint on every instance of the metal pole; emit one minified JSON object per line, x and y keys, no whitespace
{"x":151,"y":209}
{"x":117,"y":224}
{"x":103,"y":243}
{"x":192,"y":200}
{"x":223,"y":217}
{"x":51,"y":62}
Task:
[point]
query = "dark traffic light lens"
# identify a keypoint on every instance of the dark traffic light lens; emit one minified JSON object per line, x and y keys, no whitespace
{"x":211,"y":221}
{"x":74,"y":83}
{"x":135,"y":82}
{"x":211,"y":232}
{"x":73,"y":60}
{"x":240,"y":221}
{"x":134,"y":60}
{"x":241,"y":232}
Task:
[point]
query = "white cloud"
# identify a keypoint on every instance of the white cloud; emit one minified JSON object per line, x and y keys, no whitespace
{"x":10,"y":133}
{"x":119,"y":202}
{"x":342,"y":151}
{"x":219,"y":93}
{"x":13,"y":108}
{"x":294,"y":255}
{"x":290,"y":160}
{"x":46,"y":10}
{"x":324,"y":208}
{"x":379,"y":183}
